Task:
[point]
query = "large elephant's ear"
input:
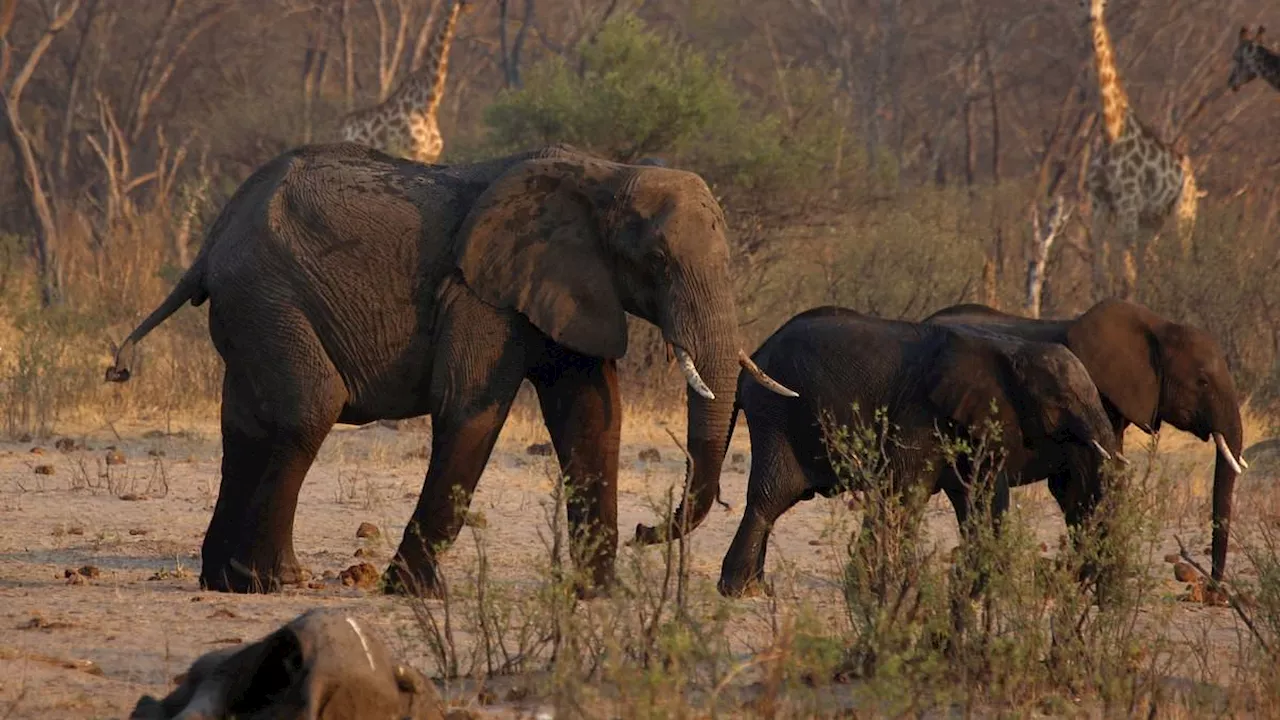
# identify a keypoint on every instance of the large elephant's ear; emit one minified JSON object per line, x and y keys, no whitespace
{"x":1115,"y":340}
{"x":968,"y":376}
{"x":533,"y":242}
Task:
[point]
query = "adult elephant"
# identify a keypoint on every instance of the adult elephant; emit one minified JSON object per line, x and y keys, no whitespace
{"x":349,"y":286}
{"x":928,"y":378}
{"x":1149,"y":371}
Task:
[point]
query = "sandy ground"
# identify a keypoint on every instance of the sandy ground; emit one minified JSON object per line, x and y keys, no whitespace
{"x":90,"y":649}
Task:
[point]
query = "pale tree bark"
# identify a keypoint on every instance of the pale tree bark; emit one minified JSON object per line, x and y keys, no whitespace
{"x":32,"y":182}
{"x":1043,"y":235}
{"x":390,"y":48}
{"x":348,"y":57}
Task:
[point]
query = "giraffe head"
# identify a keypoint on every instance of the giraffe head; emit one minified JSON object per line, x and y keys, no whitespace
{"x":1093,"y":10}
{"x":1244,"y":62}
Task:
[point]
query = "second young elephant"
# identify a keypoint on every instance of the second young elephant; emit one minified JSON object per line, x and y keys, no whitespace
{"x":928,"y":378}
{"x":1149,"y":370}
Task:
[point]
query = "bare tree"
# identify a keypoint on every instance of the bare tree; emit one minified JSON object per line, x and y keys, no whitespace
{"x":32,"y":180}
{"x":1043,"y":236}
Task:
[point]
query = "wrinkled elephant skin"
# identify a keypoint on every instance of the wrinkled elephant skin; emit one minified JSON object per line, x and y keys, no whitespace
{"x":927,"y":378}
{"x":1149,"y":370}
{"x":349,"y":286}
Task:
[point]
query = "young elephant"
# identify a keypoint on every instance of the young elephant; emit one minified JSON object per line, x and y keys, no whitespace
{"x":929,"y":378}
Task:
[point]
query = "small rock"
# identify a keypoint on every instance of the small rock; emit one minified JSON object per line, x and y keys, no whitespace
{"x":115,"y":457}
{"x":315,"y":585}
{"x":1173,"y":558}
{"x":134,"y":497}
{"x":1194,"y":594}
{"x":43,"y":469}
{"x":815,"y":542}
{"x":539,"y":449}
{"x":365,"y":552}
{"x":1182,"y":572}
{"x":138,"y":531}
{"x":37,"y":450}
{"x":226,"y":641}
{"x":368,"y":530}
{"x":65,"y":444}
{"x":650,"y":454}
{"x":75,"y":530}
{"x":361,"y":575}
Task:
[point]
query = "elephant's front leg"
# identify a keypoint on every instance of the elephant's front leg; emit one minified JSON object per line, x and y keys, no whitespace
{"x":582,"y":409}
{"x":479,"y":368}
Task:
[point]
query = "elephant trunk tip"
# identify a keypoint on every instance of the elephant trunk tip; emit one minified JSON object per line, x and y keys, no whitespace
{"x":120,"y":370}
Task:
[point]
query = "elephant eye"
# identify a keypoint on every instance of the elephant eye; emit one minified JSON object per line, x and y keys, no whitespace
{"x":656,"y":261}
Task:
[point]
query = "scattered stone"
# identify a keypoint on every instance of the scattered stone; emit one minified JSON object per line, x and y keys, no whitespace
{"x":88,"y":572}
{"x":1173,"y":558}
{"x":39,"y":622}
{"x":138,"y":531}
{"x":365,"y":552}
{"x":539,"y":449}
{"x":815,"y":542}
{"x":75,"y":530}
{"x":368,"y":530}
{"x":43,"y":469}
{"x":651,"y":455}
{"x":475,"y":519}
{"x":222,"y":613}
{"x":37,"y":450}
{"x":115,"y":457}
{"x":134,"y":497}
{"x":1194,"y":594}
{"x":1182,"y":572}
{"x":361,"y":575}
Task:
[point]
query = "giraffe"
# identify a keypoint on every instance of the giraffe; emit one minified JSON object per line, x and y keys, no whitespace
{"x":1135,"y":179}
{"x":1253,"y":59}
{"x":405,"y":123}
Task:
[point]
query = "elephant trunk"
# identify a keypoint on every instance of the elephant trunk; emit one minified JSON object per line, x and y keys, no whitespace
{"x":1229,"y":442}
{"x":708,"y":353}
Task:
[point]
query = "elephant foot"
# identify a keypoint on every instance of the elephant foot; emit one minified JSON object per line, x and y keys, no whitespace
{"x":756,"y":587}
{"x":237,"y":577}
{"x":400,"y":580}
{"x":598,"y":589}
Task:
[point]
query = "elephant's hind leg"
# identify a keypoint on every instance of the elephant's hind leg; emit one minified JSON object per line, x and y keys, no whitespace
{"x":582,"y":409}
{"x":273,"y":423}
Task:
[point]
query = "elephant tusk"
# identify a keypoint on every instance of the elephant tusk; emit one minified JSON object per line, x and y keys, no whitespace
{"x":1123,"y":460}
{"x":1101,"y":450}
{"x":691,"y":375}
{"x":1221,"y":442}
{"x":754,"y":370}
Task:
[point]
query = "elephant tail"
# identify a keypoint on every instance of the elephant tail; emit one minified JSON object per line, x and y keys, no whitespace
{"x":728,"y":440}
{"x":190,"y":288}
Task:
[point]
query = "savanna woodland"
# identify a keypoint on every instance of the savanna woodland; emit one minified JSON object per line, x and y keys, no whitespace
{"x":886,"y":156}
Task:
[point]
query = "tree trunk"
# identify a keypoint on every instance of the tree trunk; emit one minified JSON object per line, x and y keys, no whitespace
{"x":46,"y":229}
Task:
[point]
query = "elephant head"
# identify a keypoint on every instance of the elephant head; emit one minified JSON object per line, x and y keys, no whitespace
{"x":576,"y":243}
{"x":1153,"y":371}
{"x":1049,"y":411}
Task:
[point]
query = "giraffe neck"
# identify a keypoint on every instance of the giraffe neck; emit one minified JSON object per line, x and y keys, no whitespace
{"x":1115,"y":104}
{"x":424,"y":90}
